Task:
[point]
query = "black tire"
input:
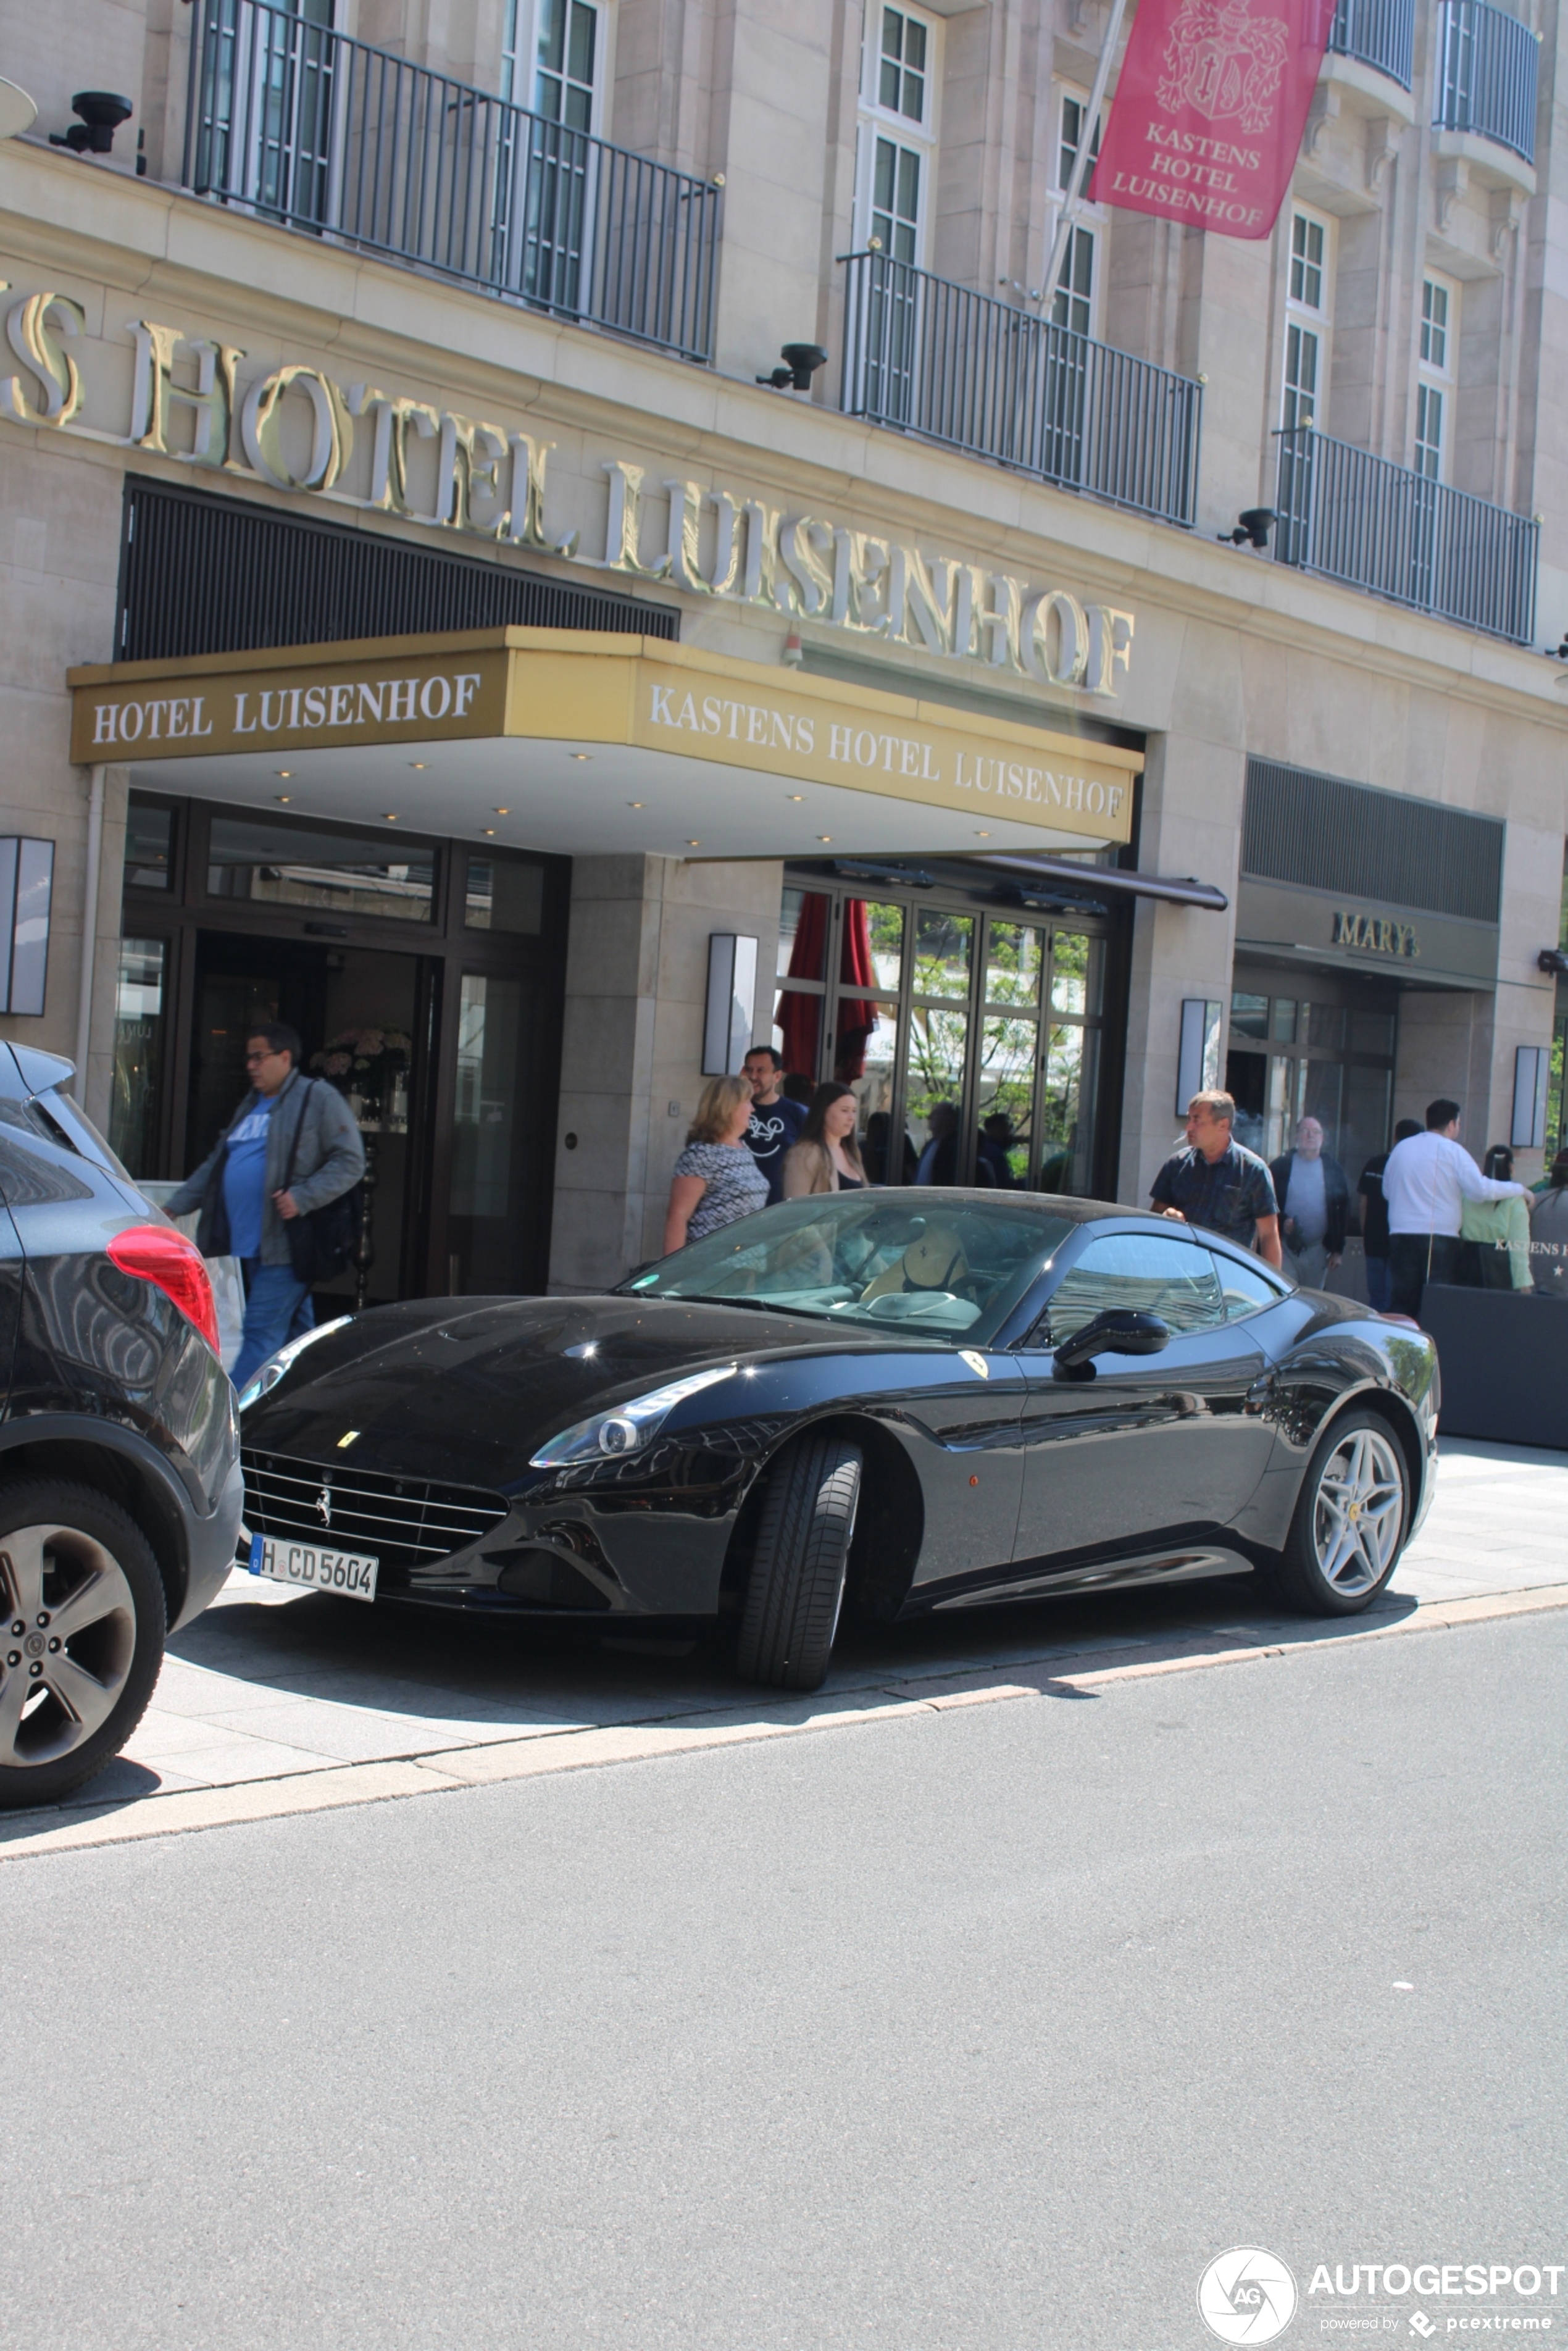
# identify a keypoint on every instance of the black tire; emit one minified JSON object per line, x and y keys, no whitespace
{"x":1337,"y":1558}
{"x":69,"y":1558}
{"x":797,"y":1583}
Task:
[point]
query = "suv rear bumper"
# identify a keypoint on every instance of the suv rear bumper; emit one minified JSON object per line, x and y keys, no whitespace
{"x":209,"y":1548}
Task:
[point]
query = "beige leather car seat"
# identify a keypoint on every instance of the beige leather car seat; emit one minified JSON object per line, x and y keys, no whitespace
{"x":933,"y":1261}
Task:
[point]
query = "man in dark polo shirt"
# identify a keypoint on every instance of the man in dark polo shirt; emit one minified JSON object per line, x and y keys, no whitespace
{"x":1218,"y":1184}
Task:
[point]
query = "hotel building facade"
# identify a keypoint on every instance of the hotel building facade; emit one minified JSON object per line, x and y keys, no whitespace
{"x":429,"y":624}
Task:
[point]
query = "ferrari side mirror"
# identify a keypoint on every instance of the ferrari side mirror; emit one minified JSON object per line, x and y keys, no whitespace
{"x":1119,"y":1331}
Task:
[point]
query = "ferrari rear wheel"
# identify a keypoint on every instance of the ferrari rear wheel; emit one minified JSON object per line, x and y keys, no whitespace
{"x":1351,"y":1519}
{"x":797,"y":1583}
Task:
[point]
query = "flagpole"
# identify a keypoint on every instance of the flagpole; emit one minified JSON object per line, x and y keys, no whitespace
{"x":1078,"y":178}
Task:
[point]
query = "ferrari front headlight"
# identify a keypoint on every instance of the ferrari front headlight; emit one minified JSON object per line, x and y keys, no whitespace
{"x":626,"y":1429}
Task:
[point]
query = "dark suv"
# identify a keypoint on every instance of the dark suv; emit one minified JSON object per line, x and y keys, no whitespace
{"x":120,"y":1482}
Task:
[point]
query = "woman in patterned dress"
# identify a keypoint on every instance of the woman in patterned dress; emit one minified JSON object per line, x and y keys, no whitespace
{"x":716,"y":1180}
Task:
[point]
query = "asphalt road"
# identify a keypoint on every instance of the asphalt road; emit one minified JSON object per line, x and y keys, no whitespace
{"x":954,"y":2032}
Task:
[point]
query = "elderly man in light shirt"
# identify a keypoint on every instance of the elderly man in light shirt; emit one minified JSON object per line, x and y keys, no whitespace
{"x":1427,"y":1182}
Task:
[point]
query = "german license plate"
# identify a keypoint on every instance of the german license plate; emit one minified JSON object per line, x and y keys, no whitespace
{"x":349,"y":1574}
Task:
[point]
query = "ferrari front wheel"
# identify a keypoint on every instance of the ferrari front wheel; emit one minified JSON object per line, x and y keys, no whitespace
{"x":1351,"y":1518}
{"x":796,"y":1587}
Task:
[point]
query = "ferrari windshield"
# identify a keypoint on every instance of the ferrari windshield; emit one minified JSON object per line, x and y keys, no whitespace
{"x":942,"y":1266}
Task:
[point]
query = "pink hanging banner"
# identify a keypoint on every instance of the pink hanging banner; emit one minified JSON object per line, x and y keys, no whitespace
{"x":1208,"y":118}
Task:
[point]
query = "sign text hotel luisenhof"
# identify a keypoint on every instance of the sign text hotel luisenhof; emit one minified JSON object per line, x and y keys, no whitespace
{"x":298,"y":430}
{"x":564,"y":685}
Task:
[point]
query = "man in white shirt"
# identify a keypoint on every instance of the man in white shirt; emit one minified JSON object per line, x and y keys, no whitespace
{"x":1425,"y":1184}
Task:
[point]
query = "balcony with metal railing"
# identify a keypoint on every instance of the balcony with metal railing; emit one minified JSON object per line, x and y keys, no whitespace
{"x":303,"y":126}
{"x":1356,"y":517}
{"x":1487,"y":71}
{"x":934,"y":359}
{"x":1376,"y":33}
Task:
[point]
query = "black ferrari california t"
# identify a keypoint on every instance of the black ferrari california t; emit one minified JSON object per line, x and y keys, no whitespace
{"x":890,"y":1402}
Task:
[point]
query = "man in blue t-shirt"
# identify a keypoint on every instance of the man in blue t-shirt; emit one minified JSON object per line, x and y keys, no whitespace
{"x":775,"y":1122}
{"x":288,"y":1126}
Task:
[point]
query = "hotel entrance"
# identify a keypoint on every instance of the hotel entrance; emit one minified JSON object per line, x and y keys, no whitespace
{"x":1310,"y":1043}
{"x":979,"y":1022}
{"x":423,"y":978}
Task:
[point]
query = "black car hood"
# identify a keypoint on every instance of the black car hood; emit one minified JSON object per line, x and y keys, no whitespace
{"x":467,"y":1390}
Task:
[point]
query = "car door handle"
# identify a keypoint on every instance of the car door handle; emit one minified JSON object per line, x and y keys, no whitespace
{"x":1260,"y":1394}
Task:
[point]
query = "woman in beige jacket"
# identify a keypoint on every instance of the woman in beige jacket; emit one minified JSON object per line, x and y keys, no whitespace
{"x":827,"y":1157}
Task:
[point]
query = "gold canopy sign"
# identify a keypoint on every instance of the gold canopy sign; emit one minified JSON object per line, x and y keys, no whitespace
{"x":583,"y":686}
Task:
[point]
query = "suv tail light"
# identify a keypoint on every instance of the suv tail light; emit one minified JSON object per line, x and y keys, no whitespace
{"x":154,"y":1253}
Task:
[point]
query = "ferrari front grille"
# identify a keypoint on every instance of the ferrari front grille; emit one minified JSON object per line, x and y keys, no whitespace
{"x":405,"y":1522}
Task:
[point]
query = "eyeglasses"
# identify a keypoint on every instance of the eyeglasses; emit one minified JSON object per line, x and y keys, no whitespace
{"x":273,"y":1053}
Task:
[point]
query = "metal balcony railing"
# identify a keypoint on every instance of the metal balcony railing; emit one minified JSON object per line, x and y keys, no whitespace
{"x":1487,"y":66}
{"x":1376,"y":33}
{"x":1355,"y":516}
{"x":303,"y":125}
{"x":935,"y":359}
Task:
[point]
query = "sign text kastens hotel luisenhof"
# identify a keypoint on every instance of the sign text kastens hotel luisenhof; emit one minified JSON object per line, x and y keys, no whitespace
{"x":298,"y":430}
{"x":666,"y":700}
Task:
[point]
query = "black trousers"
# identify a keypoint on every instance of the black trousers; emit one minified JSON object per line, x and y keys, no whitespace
{"x":1414,"y":1260}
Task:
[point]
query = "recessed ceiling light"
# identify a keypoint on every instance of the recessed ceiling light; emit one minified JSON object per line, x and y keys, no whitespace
{"x":982,"y":836}
{"x":418,"y":763}
{"x":582,"y":755}
{"x":489,"y":833}
{"x":633,"y":803}
{"x":391,"y":820}
{"x":283,"y":799}
{"x":795,"y":795}
{"x":693,"y":844}
{"x":284,"y":773}
{"x":503,"y":811}
{"x":824,"y":836}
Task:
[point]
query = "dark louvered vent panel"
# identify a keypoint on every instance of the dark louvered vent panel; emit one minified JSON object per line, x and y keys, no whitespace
{"x":1324,"y":834}
{"x":214,"y":575}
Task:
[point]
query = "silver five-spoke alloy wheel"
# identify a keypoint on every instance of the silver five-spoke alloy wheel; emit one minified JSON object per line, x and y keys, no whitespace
{"x":1358,"y":1512}
{"x":67,"y":1641}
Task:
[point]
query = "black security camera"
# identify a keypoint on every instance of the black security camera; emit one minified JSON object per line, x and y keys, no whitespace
{"x":1554,"y":960}
{"x":102,"y":111}
{"x":802,"y":362}
{"x":1251,"y":529}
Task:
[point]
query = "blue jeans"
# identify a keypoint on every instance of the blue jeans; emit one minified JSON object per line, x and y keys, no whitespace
{"x":1377,"y":1284}
{"x":276,"y":1309}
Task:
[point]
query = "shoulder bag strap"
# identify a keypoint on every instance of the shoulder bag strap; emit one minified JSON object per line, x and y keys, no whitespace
{"x":294,"y":1141}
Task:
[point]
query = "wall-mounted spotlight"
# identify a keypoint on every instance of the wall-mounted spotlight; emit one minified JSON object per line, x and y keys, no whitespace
{"x":1252,"y":528}
{"x":1552,"y":960}
{"x":102,"y":111}
{"x":802,"y":362}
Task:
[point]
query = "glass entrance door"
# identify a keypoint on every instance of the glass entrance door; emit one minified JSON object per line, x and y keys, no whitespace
{"x":973,"y":1040}
{"x":493,"y":1119}
{"x":1306,"y":1045}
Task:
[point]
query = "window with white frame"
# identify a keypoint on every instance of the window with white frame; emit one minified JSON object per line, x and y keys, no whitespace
{"x":1072,"y":301}
{"x":897,"y":130}
{"x":552,"y":59}
{"x":1306,"y":322}
{"x":1435,"y":375}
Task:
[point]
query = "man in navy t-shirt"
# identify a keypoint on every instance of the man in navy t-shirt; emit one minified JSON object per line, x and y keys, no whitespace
{"x":776,"y":1123}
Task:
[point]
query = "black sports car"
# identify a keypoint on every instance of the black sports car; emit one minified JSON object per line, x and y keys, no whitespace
{"x":893,"y":1401}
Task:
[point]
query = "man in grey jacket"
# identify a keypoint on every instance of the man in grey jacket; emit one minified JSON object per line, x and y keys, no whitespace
{"x":288,"y":1126}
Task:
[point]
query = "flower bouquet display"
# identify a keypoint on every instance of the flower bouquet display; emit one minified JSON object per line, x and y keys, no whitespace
{"x":370,"y":1066}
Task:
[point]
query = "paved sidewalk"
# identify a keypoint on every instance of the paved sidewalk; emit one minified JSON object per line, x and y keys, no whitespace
{"x":271,"y":1685}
